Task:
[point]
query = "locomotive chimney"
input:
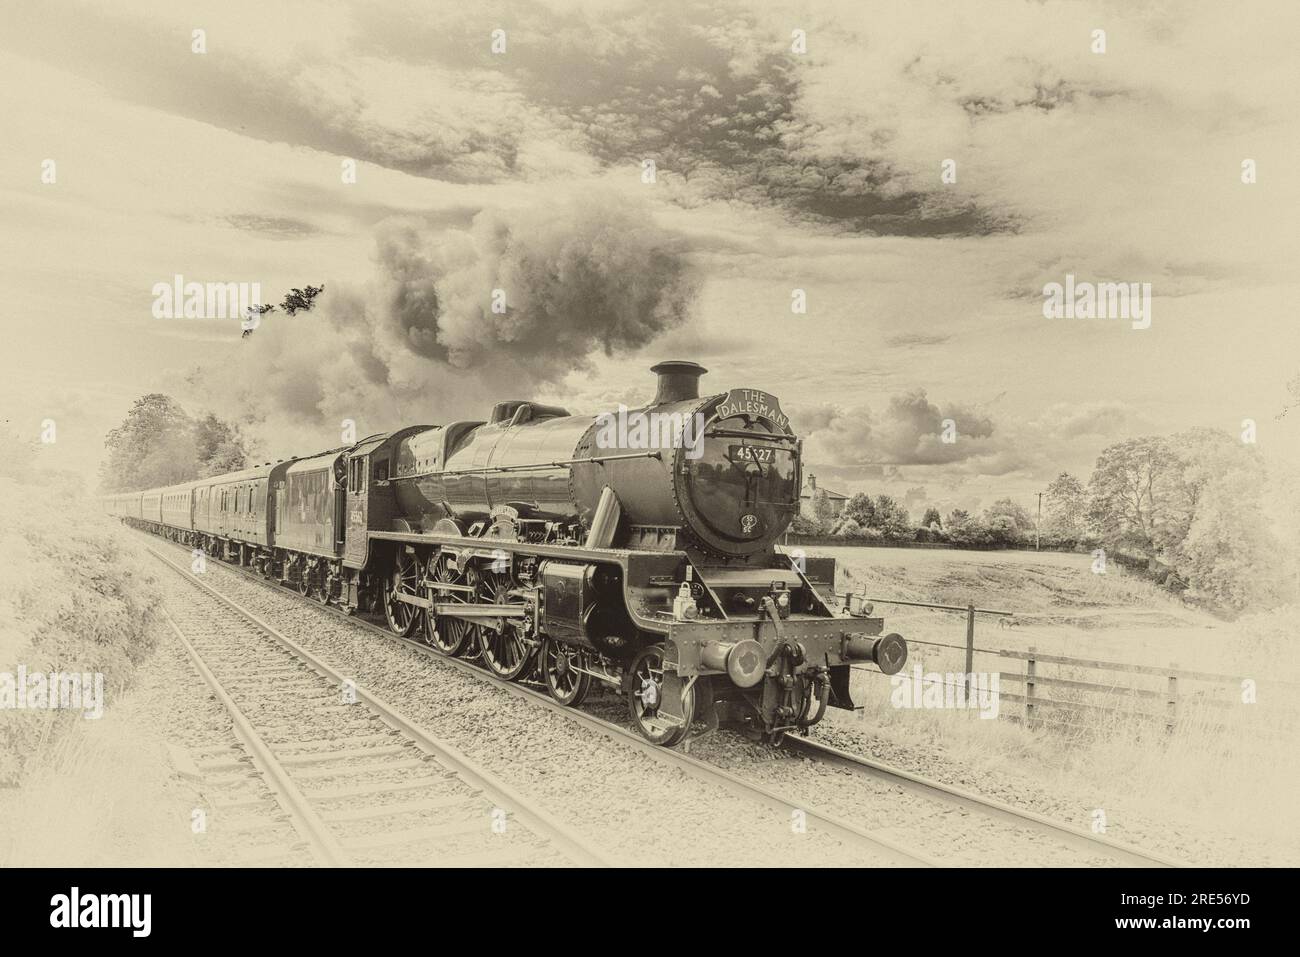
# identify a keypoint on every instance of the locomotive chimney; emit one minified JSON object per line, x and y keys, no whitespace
{"x":679,"y":380}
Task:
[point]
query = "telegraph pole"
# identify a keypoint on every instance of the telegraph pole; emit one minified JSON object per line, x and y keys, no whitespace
{"x":1038,"y":526}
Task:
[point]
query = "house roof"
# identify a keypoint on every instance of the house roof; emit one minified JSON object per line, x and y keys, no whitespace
{"x":807,"y":493}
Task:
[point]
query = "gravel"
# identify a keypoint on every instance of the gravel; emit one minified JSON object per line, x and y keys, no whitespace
{"x":642,"y":813}
{"x":625,"y":802}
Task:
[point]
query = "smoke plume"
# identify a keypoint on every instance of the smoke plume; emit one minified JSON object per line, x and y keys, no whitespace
{"x":457,"y":319}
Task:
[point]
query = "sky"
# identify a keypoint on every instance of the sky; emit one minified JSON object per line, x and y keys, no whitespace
{"x":796,"y":146}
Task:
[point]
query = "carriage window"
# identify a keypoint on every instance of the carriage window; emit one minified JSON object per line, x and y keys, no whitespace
{"x":381,"y":471}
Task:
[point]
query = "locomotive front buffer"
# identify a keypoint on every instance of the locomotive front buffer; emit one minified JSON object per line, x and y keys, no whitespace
{"x":772,"y":671}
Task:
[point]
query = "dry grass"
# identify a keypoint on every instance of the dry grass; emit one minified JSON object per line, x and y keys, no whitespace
{"x":76,"y":595}
{"x":96,"y":797}
{"x":1228,"y":768}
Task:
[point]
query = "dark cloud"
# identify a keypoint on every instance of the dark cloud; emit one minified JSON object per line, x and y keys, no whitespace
{"x":579,"y":276}
{"x":704,"y":90}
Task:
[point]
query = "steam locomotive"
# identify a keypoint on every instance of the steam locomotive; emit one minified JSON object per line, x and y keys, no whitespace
{"x":635,"y":549}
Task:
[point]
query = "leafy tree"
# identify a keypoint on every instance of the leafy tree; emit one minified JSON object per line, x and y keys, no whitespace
{"x":931,"y":518}
{"x":1139,"y":497}
{"x":847,"y":528}
{"x":822,"y":507}
{"x":1067,"y":506}
{"x":1230,"y":554}
{"x":1005,"y":511}
{"x":152,"y":422}
{"x":965,"y":529}
{"x":159,"y":444}
{"x":861,"y":509}
{"x":301,"y":300}
{"x":259,"y":311}
{"x":219,"y":446}
{"x":1006,"y":524}
{"x":806,"y":525}
{"x":891,"y":518}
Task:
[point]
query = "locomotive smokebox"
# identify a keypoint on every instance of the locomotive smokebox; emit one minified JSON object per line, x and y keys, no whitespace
{"x":679,"y":380}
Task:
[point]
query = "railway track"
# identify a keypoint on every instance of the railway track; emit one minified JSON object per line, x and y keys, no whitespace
{"x":1085,"y":841}
{"x":357,"y":781}
{"x":878,"y":848}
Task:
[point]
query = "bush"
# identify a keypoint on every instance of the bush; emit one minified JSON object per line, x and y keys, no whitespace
{"x":847,"y":528}
{"x":803,"y":525}
{"x":76,"y":595}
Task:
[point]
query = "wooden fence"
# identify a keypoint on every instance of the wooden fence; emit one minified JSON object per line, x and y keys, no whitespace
{"x":1052,"y":701}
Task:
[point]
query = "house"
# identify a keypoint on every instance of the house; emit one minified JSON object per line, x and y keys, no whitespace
{"x":810,"y":488}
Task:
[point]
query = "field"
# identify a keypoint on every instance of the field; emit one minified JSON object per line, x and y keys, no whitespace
{"x":1227,"y":770}
{"x":1059,"y":604}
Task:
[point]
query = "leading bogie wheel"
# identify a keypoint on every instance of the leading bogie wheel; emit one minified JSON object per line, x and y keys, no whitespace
{"x":564,"y":669}
{"x":647,"y":673}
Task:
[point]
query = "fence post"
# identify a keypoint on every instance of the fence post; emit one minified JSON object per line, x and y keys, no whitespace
{"x":1030,"y":671}
{"x":970,"y":647}
{"x":1171,"y":706}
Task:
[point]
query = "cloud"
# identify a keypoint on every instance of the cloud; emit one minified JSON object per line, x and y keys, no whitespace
{"x":917,"y":339}
{"x":579,"y":276}
{"x":909,"y":431}
{"x":277,"y":227}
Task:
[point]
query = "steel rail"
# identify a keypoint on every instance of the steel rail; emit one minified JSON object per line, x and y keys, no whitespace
{"x":322,"y":843}
{"x":1075,"y":836}
{"x":536,"y":820}
{"x":1078,"y":837}
{"x":700,"y":770}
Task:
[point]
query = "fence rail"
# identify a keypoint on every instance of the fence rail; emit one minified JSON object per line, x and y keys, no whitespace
{"x":1167,"y":703}
{"x":970,"y":611}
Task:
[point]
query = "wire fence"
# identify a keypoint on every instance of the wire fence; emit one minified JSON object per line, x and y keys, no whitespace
{"x":1068,"y":693}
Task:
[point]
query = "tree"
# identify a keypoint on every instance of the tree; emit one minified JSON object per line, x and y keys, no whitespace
{"x":1067,"y":505}
{"x":220,"y":447}
{"x":966,"y":529}
{"x":931,"y":518}
{"x":159,"y":444}
{"x":301,"y":300}
{"x":1009,"y":522}
{"x":1139,"y":497}
{"x":891,"y":518}
{"x":152,"y":423}
{"x":861,"y":509}
{"x":847,"y":528}
{"x":1230,"y":554}
{"x":822,"y":507}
